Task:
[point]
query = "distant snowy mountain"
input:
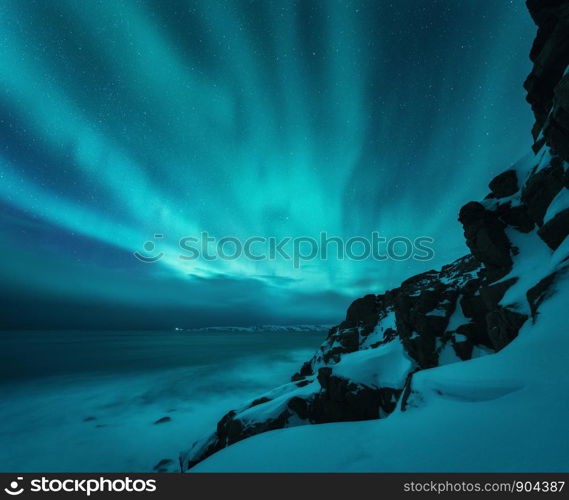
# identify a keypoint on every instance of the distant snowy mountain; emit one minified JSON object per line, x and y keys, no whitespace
{"x":462,"y":369}
{"x":260,"y":328}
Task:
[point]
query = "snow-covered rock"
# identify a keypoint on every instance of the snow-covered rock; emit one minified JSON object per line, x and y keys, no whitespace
{"x":506,"y":412}
{"x":455,"y":370}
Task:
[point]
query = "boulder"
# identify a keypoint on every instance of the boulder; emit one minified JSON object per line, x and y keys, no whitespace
{"x":537,"y":294}
{"x":556,"y":130}
{"x":554,"y":231}
{"x":550,"y":54}
{"x":492,"y":294}
{"x":515,"y":216}
{"x":486,"y":238}
{"x":504,"y":184}
{"x":342,"y":400}
{"x":503,"y":326}
{"x":362,"y":312}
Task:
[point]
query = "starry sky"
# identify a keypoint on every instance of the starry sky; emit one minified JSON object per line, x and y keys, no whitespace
{"x":122,"y":119}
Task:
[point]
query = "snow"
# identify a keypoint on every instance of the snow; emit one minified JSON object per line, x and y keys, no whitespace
{"x":502,"y":412}
{"x":385,"y":366}
{"x":480,"y":350}
{"x":529,"y":272}
{"x":457,"y":318}
{"x":524,"y":166}
{"x":447,"y":355}
{"x":279,"y":399}
{"x":544,"y":159}
{"x":493,"y":203}
{"x":559,"y":203}
{"x":452,"y":280}
{"x":385,"y":323}
{"x":438,"y":312}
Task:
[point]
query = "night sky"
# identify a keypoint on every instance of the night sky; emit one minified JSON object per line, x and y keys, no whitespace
{"x":121,"y":119}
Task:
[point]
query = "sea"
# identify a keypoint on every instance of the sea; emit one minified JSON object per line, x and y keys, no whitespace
{"x":121,"y":401}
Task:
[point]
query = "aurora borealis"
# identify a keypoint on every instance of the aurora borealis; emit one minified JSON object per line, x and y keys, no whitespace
{"x":122,"y":119}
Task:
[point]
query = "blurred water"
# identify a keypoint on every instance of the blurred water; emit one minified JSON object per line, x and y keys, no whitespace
{"x":87,"y":401}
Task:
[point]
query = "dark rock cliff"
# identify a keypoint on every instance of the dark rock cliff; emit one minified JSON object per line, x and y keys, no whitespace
{"x":471,"y":307}
{"x":545,"y":84}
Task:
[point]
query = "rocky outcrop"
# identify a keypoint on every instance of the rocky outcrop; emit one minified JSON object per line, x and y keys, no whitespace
{"x":541,"y":188}
{"x":362,"y":369}
{"x":555,"y":230}
{"x":550,"y":55}
{"x":504,"y":185}
{"x":485,"y":236}
{"x":472,"y":307}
